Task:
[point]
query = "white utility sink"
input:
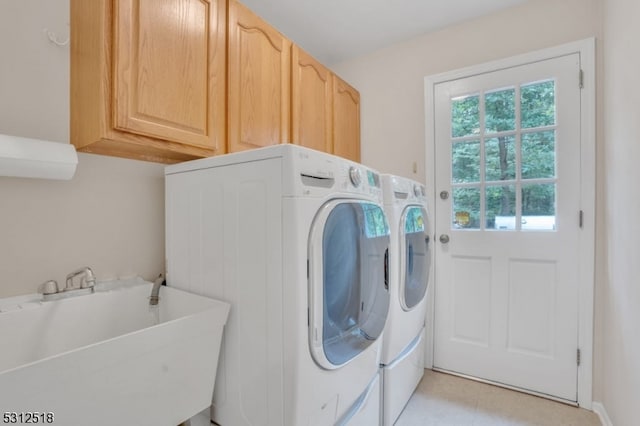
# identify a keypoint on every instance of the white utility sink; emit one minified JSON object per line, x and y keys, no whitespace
{"x":109,"y":357}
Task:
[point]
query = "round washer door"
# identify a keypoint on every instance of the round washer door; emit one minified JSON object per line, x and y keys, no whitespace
{"x":415,"y":256}
{"x":348,"y":280}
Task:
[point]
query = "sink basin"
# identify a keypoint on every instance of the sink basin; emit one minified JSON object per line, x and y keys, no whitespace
{"x":109,"y":358}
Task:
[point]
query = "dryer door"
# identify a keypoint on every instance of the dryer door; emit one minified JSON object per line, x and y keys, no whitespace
{"x":348,"y":280}
{"x":415,"y":256}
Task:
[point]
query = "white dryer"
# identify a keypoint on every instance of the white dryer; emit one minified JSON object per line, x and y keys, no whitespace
{"x":297,"y":242}
{"x":402,"y":359}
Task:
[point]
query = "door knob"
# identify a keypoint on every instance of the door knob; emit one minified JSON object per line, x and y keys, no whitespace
{"x":444,"y":238}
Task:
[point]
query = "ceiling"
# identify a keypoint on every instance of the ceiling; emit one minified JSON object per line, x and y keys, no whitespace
{"x":338,"y":30}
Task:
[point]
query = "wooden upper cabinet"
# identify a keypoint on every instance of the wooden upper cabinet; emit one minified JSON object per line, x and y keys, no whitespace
{"x":175,"y":80}
{"x":148,"y":78}
{"x":259,"y":71}
{"x":346,"y":120}
{"x":311,"y":102}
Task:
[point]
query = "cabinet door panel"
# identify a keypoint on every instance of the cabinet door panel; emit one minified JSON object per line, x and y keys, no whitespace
{"x":311,"y":102}
{"x":259,"y":81}
{"x":169,"y":70}
{"x":346,"y":120}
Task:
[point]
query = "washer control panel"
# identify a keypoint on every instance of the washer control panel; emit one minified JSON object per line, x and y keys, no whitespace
{"x":322,"y":174}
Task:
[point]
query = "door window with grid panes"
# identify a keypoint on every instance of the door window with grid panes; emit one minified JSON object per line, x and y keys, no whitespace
{"x":503,"y":158}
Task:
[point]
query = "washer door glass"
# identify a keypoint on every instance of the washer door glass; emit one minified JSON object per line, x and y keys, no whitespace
{"x":415,"y":256}
{"x":348,"y":282}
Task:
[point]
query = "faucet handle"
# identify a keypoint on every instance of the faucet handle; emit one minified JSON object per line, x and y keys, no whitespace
{"x":49,"y":287}
{"x":87,"y":280}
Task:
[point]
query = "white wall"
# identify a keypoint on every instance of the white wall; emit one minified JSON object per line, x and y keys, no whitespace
{"x":34,"y":73}
{"x":621,"y":328}
{"x":110,"y":216}
{"x":391,"y":84}
{"x":391,"y":81}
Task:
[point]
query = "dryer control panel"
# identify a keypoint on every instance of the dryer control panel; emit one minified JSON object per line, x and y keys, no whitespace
{"x":398,"y":189}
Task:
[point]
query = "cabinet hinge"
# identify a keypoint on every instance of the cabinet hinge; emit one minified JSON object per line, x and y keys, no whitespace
{"x":578,"y":357}
{"x":581,"y":79}
{"x":581,"y":218}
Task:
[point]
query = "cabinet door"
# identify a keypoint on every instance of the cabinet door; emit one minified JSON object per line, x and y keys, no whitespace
{"x":311,"y":102}
{"x":346,"y":120}
{"x":169,"y":70}
{"x":259,"y":81}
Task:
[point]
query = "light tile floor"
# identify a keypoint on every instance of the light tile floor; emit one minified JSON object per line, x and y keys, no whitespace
{"x":446,"y":400}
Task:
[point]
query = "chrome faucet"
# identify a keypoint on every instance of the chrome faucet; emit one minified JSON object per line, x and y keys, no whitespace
{"x":50,"y":290}
{"x":155,"y":290}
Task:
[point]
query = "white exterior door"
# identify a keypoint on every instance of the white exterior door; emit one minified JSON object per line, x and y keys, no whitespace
{"x":507,"y":226}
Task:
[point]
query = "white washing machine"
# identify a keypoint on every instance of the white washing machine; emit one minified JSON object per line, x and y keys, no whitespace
{"x":402,"y":358}
{"x":297,"y":242}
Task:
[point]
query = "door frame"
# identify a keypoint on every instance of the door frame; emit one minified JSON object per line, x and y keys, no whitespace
{"x":586,"y":50}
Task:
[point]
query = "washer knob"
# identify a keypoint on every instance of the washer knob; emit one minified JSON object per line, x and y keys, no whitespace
{"x":417,"y":191}
{"x":355,"y":176}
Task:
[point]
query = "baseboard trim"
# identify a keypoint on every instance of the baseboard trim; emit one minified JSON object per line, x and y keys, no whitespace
{"x":599,"y":409}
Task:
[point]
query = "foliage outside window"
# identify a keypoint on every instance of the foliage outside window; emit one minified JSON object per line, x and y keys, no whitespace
{"x":503,"y":156}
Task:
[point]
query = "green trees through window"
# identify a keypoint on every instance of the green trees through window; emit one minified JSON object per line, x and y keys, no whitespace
{"x":503,"y":147}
